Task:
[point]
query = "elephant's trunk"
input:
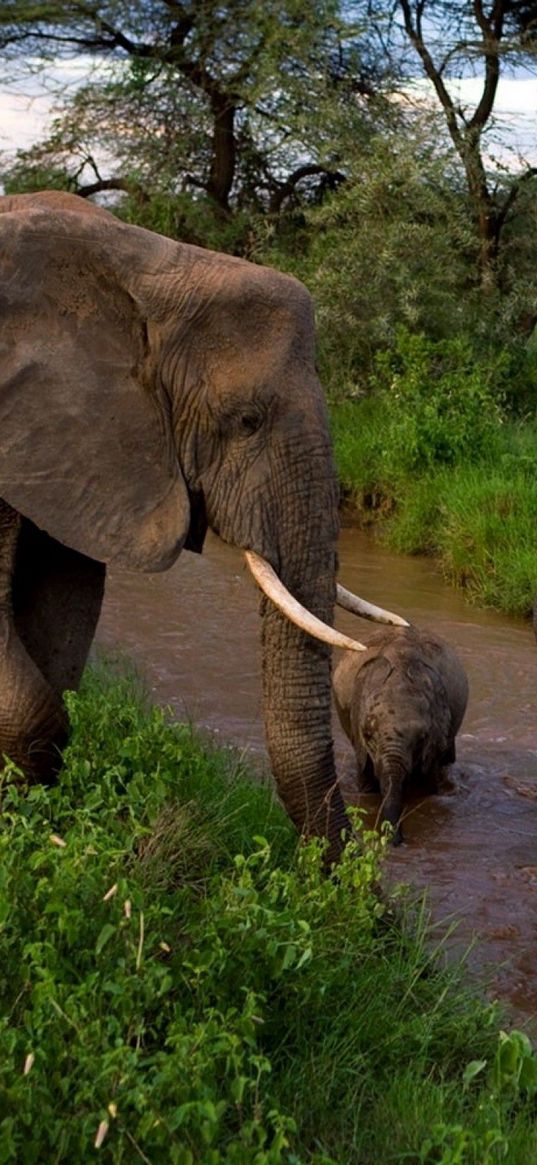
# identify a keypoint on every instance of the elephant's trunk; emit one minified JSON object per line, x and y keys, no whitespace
{"x":296,"y":694}
{"x":296,"y":668}
{"x":392,"y":777}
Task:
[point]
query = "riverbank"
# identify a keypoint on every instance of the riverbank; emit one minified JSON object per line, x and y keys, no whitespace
{"x":181,"y":984}
{"x":477,"y":518}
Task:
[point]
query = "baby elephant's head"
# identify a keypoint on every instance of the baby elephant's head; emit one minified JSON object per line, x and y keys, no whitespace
{"x":402,"y":726}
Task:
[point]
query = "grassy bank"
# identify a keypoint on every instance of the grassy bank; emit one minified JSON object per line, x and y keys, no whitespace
{"x":461,"y":486}
{"x":181,"y":984}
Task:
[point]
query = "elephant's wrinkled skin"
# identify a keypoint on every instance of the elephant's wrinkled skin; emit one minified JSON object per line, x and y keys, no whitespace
{"x":401,"y":704}
{"x":149,"y":389}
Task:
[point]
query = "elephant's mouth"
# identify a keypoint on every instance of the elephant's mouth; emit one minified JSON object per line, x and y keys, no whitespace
{"x":198,"y":522}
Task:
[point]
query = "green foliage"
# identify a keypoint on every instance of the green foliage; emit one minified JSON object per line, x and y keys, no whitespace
{"x":486,"y":533}
{"x":433,"y":404}
{"x":441,"y":405}
{"x":181,"y":983}
{"x":480,"y":522}
{"x":475,"y":510}
{"x":24,"y":179}
{"x":392,"y":247}
{"x":213,"y":99}
{"x":191,"y":220}
{"x":512,"y":1076}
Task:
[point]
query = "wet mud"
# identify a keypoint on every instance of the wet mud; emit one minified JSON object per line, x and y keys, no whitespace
{"x":193,"y":634}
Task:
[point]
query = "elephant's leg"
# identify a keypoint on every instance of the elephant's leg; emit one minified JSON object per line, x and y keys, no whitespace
{"x":435,"y":780}
{"x":57,"y":596}
{"x":446,"y":780}
{"x":423,"y":782}
{"x":32,"y":720}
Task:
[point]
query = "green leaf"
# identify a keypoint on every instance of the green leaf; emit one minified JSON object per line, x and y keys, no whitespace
{"x":472,"y":1070}
{"x":105,"y":934}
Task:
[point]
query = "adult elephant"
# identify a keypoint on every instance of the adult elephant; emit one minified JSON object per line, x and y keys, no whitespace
{"x":149,"y":389}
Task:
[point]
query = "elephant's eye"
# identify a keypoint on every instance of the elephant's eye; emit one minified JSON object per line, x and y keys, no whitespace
{"x":250,"y":422}
{"x":370,"y":727}
{"x":242,"y":419}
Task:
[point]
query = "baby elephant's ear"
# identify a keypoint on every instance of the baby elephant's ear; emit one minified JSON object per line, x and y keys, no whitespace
{"x":85,"y":441}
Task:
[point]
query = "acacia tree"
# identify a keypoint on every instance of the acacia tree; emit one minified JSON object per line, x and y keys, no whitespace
{"x":225,"y":94}
{"x":522,"y":16}
{"x":449,"y":39}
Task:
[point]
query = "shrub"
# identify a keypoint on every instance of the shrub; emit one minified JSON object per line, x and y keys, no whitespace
{"x":177,"y":987}
{"x":441,"y":405}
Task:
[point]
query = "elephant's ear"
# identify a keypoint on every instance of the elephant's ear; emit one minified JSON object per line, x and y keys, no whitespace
{"x":365,"y":675}
{"x":85,"y":441}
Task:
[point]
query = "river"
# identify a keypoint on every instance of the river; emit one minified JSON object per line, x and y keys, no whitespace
{"x":193,"y":634}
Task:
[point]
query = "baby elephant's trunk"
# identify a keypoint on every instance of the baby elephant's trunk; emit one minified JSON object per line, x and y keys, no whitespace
{"x":391,"y":783}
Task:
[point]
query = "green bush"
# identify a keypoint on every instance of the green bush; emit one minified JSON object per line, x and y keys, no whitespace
{"x":180,"y":983}
{"x":441,"y":406}
{"x":189,"y":219}
{"x":478,"y":518}
{"x":433,"y":458}
{"x":392,"y":246}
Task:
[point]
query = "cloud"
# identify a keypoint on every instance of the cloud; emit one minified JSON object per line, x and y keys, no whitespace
{"x":515,"y":96}
{"x":23,"y":120}
{"x":513,"y":136}
{"x":26,"y":108}
{"x":27,"y":105}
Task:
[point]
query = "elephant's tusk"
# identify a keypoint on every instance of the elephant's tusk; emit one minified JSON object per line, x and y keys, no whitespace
{"x":267,"y":579}
{"x":367,"y":610}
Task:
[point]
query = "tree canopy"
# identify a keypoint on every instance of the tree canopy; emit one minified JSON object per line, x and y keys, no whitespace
{"x":226,"y":98}
{"x":331,"y":139}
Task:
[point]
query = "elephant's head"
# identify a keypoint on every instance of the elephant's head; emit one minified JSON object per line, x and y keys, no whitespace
{"x":401,"y":727}
{"x":149,"y":389}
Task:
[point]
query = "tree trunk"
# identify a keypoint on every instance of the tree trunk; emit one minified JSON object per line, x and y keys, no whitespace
{"x":486,"y":217}
{"x":489,"y":239}
{"x":223,"y":159}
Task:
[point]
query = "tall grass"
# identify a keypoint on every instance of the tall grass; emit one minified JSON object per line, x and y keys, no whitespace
{"x":180,"y":983}
{"x":477,"y":517}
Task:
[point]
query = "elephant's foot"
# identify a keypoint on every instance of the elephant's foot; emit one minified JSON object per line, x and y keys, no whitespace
{"x":37,"y":751}
{"x":447,"y":781}
{"x":33,"y":722}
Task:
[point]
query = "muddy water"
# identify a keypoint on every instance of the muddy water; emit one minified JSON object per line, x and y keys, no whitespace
{"x":193,"y":632}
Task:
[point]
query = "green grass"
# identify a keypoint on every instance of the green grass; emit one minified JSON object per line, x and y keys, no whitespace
{"x":479,"y":519}
{"x":177,"y":973}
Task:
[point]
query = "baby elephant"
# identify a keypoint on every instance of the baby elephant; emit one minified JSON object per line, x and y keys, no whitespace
{"x":401,"y":703}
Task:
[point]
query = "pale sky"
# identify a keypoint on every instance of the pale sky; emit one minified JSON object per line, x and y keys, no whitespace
{"x":26,"y":108}
{"x":515,"y":111}
{"x":24,"y":118}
